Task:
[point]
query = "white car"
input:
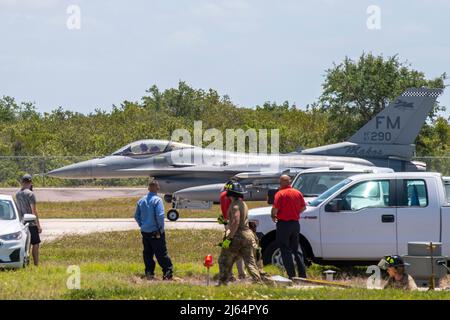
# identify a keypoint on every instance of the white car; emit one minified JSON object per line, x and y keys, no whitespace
{"x":14,"y":235}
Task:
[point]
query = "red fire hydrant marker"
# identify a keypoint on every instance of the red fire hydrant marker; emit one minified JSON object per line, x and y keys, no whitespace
{"x":208,"y":263}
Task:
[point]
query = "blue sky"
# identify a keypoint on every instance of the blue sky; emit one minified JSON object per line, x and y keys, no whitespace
{"x":254,"y":51}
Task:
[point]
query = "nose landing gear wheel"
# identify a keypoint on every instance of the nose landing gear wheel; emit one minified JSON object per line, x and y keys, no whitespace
{"x":173,"y":215}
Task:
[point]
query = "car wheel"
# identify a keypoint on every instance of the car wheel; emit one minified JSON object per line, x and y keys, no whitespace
{"x":26,"y":261}
{"x":272,"y":255}
{"x":173,"y":215}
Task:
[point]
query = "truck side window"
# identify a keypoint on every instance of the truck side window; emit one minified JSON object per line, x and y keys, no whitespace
{"x":414,"y":193}
{"x":366,"y":194}
{"x":447,"y":190}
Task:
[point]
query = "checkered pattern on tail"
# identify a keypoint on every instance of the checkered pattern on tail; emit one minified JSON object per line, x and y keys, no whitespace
{"x":422,"y":92}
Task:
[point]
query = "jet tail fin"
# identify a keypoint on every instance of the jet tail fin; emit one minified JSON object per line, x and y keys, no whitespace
{"x":391,"y":133}
{"x":401,"y":121}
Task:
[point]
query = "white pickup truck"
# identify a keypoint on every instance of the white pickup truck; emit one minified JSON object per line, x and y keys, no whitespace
{"x":365,"y":217}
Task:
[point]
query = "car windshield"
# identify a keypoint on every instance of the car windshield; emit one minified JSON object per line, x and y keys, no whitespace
{"x":6,"y":210}
{"x":315,"y":183}
{"x":328,"y":193}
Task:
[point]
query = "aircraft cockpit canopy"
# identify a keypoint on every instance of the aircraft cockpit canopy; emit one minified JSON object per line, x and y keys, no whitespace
{"x":150,"y":147}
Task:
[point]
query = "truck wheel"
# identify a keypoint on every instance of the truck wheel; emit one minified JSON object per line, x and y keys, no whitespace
{"x":173,"y":215}
{"x":272,"y":255}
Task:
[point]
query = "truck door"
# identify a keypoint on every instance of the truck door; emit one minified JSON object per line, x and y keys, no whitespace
{"x":364,"y":226}
{"x":418,"y":216}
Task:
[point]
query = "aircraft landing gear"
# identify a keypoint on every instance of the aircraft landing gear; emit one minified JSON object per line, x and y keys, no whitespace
{"x":168,"y":198}
{"x":173,"y":215}
{"x":177,"y":204}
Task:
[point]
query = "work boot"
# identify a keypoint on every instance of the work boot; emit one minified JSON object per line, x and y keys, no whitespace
{"x":150,"y":276}
{"x":168,"y":275}
{"x":267,"y":281}
{"x":242,"y":276}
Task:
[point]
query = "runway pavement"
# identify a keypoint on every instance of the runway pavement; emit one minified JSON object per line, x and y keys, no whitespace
{"x":54,"y":228}
{"x":79,"y":194}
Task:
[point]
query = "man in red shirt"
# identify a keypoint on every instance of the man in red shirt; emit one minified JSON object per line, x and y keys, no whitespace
{"x":287,"y":207}
{"x":225,"y":202}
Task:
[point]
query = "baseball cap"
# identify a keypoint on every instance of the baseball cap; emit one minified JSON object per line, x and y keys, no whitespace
{"x":27,"y":178}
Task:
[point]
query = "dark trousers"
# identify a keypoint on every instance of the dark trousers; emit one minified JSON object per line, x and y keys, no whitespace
{"x":158,"y":248}
{"x":287,"y":238}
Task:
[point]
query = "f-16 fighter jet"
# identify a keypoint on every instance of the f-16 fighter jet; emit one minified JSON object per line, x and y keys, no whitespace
{"x":387,"y":140}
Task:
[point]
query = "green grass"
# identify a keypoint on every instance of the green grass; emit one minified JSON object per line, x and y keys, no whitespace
{"x":104,"y":208}
{"x":111,"y":268}
{"x":116,"y":208}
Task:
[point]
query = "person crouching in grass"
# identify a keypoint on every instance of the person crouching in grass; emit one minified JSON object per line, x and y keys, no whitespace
{"x":398,"y":278}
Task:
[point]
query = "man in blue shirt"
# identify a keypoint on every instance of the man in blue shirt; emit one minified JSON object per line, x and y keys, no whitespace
{"x":150,"y":218}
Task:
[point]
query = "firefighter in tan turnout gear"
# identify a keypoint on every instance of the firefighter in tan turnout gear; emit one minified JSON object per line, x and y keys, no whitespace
{"x":239,"y":240}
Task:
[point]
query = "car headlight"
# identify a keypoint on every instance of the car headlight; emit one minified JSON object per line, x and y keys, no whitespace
{"x":12,"y":236}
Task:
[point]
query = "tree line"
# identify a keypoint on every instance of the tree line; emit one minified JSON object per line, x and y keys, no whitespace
{"x":353,"y":92}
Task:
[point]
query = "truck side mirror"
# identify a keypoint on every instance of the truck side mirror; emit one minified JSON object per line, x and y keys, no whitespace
{"x":271,"y":195}
{"x":334,"y":205}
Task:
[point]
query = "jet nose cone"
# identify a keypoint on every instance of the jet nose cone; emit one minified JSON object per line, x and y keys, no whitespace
{"x":82,"y":170}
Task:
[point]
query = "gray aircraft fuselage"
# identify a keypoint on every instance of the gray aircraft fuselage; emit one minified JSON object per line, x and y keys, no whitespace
{"x":203,"y":166}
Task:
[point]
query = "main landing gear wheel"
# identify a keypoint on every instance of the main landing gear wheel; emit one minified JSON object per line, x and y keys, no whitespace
{"x":173,"y":215}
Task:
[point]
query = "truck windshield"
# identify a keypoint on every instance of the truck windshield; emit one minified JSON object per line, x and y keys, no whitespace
{"x":328,"y":193}
{"x":314,"y":183}
{"x":6,"y":210}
